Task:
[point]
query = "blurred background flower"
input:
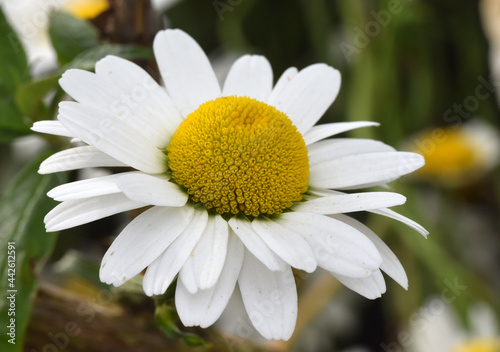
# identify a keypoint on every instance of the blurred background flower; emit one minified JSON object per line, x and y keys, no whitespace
{"x":427,"y":70}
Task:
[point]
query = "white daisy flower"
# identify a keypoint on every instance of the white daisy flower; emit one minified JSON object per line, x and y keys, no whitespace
{"x":242,"y":184}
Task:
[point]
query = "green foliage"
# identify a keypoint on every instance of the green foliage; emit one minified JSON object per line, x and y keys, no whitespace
{"x":71,"y":36}
{"x":30,"y":96}
{"x":14,"y":72}
{"x":86,"y":60}
{"x":166,"y":316}
{"x":22,"y":209}
{"x":11,"y":123}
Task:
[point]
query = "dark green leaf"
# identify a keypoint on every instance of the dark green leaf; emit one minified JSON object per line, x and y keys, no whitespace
{"x":88,"y":59}
{"x":71,"y":36}
{"x":11,"y":123}
{"x":14,"y":68}
{"x":29,"y":96}
{"x":166,"y":316}
{"x":22,"y":209}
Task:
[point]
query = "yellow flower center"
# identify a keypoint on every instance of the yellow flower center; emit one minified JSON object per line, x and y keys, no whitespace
{"x":479,"y":345}
{"x":451,"y":158}
{"x":236,"y":154}
{"x":86,"y":9}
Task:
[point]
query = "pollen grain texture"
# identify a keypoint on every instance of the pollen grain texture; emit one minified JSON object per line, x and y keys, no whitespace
{"x":236,"y":154}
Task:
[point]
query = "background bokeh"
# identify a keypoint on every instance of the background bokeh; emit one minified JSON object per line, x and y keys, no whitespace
{"x":427,"y":70}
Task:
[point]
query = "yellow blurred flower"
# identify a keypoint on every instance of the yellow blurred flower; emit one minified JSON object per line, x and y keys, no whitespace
{"x":479,"y":345}
{"x":30,"y":20}
{"x":456,"y":156}
{"x":86,"y":9}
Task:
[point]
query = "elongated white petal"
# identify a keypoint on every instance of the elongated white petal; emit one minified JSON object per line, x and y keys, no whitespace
{"x":250,"y":76}
{"x":206,"y":306}
{"x":154,"y":190}
{"x":371,"y":287}
{"x":186,"y":71}
{"x":77,"y":158}
{"x":337,"y":246}
{"x":123,"y":91}
{"x":309,"y":95}
{"x":97,"y":186}
{"x":51,"y":127}
{"x":112,"y":136}
{"x":290,"y":246}
{"x":390,"y":263}
{"x":140,"y":99}
{"x":142,"y":241}
{"x":163,"y":270}
{"x":254,"y":243}
{"x":320,"y":132}
{"x":270,"y":298}
{"x":283,"y":81}
{"x":76,"y":212}
{"x":396,"y":216}
{"x":382,"y":211}
{"x":346,"y":203}
{"x":205,"y":263}
{"x":339,"y":147}
{"x":362,"y":169}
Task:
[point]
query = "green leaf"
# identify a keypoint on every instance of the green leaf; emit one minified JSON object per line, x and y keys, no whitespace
{"x":71,"y":36}
{"x":22,"y":209}
{"x":166,"y":316}
{"x":11,"y":123}
{"x":30,"y":96}
{"x":14,"y":68}
{"x":88,"y":59}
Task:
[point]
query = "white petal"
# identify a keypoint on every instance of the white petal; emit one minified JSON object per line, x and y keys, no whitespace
{"x":339,"y":147}
{"x":97,"y":186}
{"x":206,"y":306}
{"x":270,"y":298}
{"x":362,"y":169}
{"x":337,"y":246}
{"x":319,"y":132}
{"x":112,"y":136}
{"x":78,"y":158}
{"x":250,"y":76}
{"x":252,"y":241}
{"x":76,"y":212}
{"x":396,"y":216}
{"x":283,"y":81}
{"x":186,"y":71}
{"x":139,"y":99}
{"x":346,"y":203}
{"x":51,"y":127}
{"x":309,"y":95}
{"x":142,"y":241}
{"x":204,"y":265}
{"x":370,"y":287}
{"x":290,"y":246}
{"x":390,"y":263}
{"x":154,"y":190}
{"x":124,"y":91}
{"x":162,"y":271}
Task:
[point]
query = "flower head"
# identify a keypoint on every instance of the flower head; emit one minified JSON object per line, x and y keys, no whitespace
{"x":459,"y":155}
{"x":243,"y":185}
